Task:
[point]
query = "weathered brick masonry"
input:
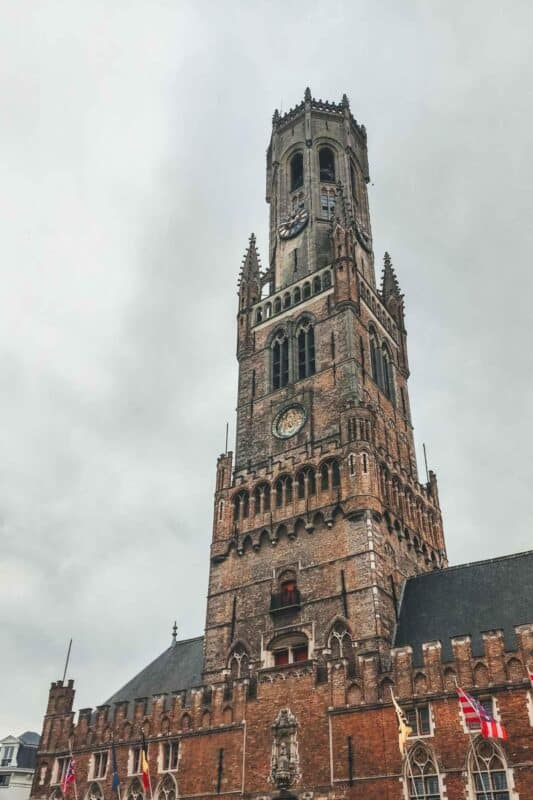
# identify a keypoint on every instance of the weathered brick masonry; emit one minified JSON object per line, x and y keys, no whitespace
{"x":329,"y":584}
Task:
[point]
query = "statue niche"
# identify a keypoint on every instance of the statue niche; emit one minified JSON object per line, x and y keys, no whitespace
{"x":285,"y":761}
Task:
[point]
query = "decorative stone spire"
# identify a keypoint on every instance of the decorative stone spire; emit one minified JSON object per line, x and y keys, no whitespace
{"x":389,"y":282}
{"x":307,"y":94}
{"x":345,"y":102}
{"x":251,"y":263}
{"x":174,"y":633}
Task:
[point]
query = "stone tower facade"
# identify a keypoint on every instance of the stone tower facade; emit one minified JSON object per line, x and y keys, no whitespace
{"x":322,"y":515}
{"x":329,"y":588}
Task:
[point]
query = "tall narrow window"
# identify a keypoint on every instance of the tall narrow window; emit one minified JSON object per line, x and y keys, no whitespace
{"x":326,"y":161}
{"x":306,"y":350}
{"x":374,"y":355}
{"x":387,"y":373}
{"x":297,"y":171}
{"x":353,"y":181}
{"x":280,"y":361}
{"x":422,"y":775}
{"x":170,"y":755}
{"x":306,"y":482}
{"x":488,"y":774}
{"x":327,"y":202}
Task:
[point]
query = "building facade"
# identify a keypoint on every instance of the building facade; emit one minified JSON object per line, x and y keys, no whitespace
{"x":17,"y":765}
{"x":329,"y":584}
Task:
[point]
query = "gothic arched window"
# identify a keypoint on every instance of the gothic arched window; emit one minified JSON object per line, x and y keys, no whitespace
{"x":421,"y":774}
{"x":330,"y":474}
{"x":327,"y":280}
{"x":262,"y":498}
{"x":387,"y":373}
{"x":283,"y":489}
{"x":353,"y":181}
{"x":297,"y":171}
{"x":306,"y":349}
{"x":95,"y":792}
{"x":487,"y":772}
{"x":306,"y":482}
{"x":317,"y":285}
{"x":239,"y":663}
{"x":280,"y":360}
{"x":135,"y":790}
{"x":297,"y":296}
{"x":167,"y":788}
{"x":340,"y":641}
{"x":241,"y":503}
{"x":374,"y":354}
{"x":326,"y":161}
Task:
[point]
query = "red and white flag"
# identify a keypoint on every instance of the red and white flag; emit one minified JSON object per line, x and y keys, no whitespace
{"x":530,"y":673}
{"x":476,"y":714}
{"x":69,"y":776}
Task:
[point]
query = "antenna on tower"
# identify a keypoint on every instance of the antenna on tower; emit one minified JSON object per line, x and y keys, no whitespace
{"x":227,"y":431}
{"x":67,"y":660}
{"x":426,"y":462}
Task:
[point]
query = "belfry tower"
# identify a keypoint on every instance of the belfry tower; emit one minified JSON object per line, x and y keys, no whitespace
{"x":320,"y":516}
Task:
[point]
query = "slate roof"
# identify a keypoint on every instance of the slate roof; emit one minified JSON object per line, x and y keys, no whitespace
{"x":30,"y":738}
{"x":178,"y":668}
{"x":466,"y":600}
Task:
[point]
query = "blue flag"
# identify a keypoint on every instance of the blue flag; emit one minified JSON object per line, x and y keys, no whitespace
{"x":116,"y":780}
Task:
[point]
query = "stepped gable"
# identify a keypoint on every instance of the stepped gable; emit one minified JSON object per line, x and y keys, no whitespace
{"x":177,"y":668}
{"x":466,"y":601}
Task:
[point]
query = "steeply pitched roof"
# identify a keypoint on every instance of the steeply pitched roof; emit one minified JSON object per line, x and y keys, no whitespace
{"x":179,"y":667}
{"x":30,"y":738}
{"x":466,"y":600}
{"x":26,"y":756}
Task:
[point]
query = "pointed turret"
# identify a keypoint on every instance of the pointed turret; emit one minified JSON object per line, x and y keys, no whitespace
{"x":249,"y":291}
{"x":390,"y":287}
{"x":251,"y":264}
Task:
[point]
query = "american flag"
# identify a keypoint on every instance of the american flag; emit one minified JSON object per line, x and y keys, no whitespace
{"x":477,"y":714}
{"x":69,"y":776}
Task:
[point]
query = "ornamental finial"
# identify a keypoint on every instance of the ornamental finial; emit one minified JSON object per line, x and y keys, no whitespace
{"x":307,"y":95}
{"x":174,"y":632}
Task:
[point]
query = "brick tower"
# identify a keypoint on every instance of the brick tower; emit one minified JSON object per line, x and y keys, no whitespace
{"x":320,"y":517}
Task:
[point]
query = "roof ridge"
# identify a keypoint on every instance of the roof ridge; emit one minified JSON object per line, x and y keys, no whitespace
{"x":184,"y":641}
{"x":472,"y":564}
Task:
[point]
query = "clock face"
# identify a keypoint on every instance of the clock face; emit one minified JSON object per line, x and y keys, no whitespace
{"x":289,"y":421}
{"x":294,"y":224}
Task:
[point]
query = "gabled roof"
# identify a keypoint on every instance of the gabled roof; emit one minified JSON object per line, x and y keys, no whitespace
{"x":466,"y":600}
{"x":178,"y":668}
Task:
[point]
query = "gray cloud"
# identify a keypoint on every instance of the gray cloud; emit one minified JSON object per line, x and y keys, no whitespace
{"x":132,"y":160}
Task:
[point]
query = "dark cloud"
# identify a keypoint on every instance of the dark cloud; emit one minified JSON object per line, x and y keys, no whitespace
{"x":132,"y":159}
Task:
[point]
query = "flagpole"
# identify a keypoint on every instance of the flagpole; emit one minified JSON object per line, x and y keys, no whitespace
{"x":472,"y":745}
{"x":115,"y":765}
{"x":400,"y":714}
{"x":71,"y":760}
{"x":413,"y":782}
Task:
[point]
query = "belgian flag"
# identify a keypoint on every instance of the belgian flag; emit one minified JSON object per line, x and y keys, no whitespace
{"x":144,"y":764}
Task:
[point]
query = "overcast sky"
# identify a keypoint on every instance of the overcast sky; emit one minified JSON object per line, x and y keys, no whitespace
{"x":132,"y":159}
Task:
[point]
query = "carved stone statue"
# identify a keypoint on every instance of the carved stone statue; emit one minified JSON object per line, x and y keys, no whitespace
{"x":285,"y":761}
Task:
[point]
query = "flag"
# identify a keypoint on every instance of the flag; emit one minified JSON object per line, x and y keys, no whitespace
{"x":404,"y":729}
{"x":475,"y":713}
{"x":115,"y":782}
{"x":530,"y":674}
{"x":144,"y":764}
{"x":69,"y":776}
